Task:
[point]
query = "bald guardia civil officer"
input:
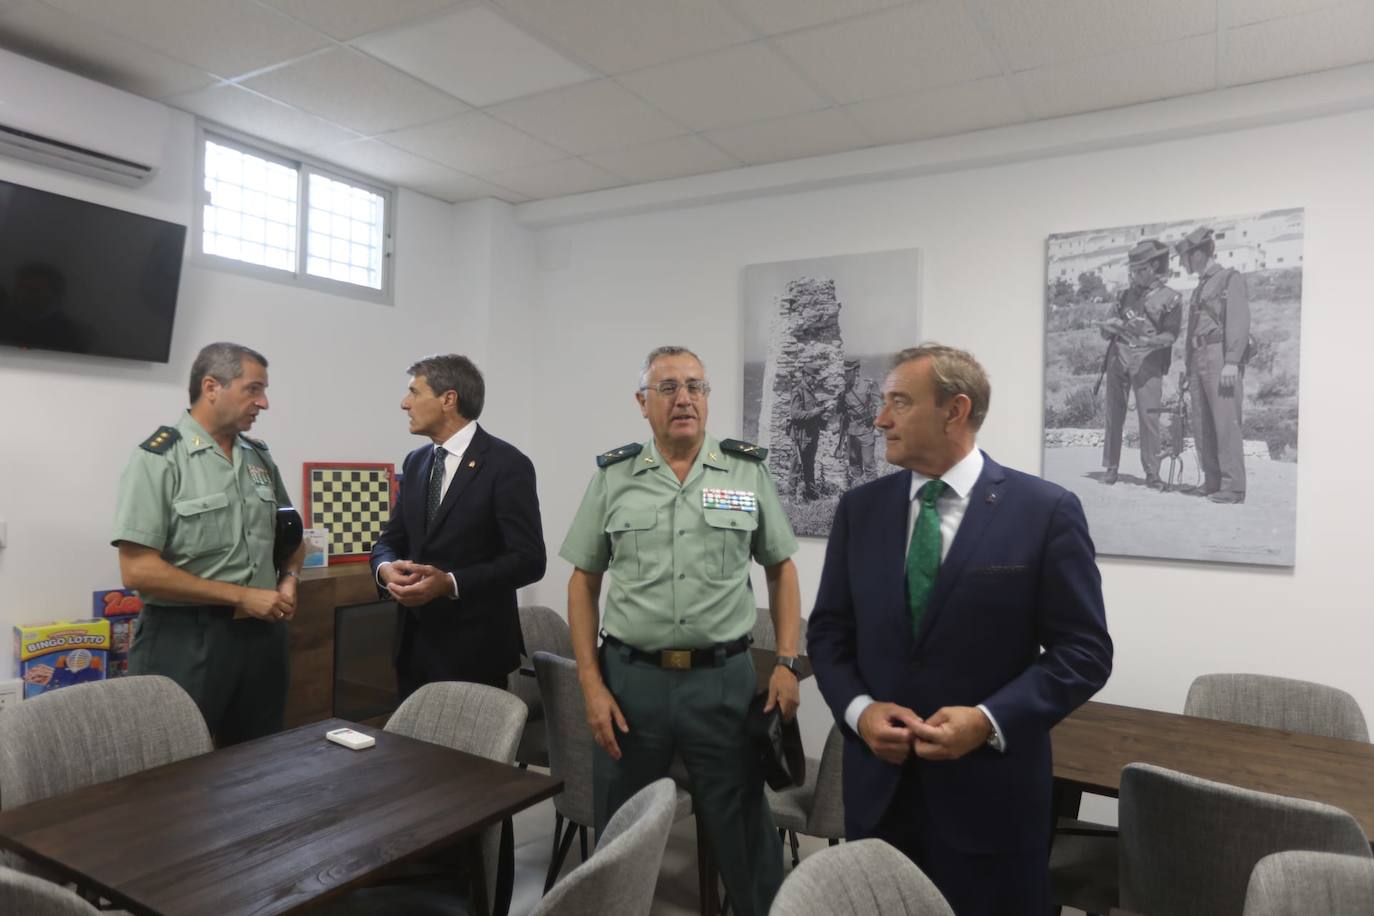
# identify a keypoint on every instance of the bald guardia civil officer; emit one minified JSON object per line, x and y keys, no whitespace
{"x":959,"y":617}
{"x":194,"y":526}
{"x":675,"y":521}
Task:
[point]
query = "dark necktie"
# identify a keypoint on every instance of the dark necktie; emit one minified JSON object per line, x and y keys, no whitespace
{"x":436,"y":485}
{"x":923,"y":556}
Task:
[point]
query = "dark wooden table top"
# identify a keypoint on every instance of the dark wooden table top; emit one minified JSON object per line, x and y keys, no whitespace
{"x":1095,"y":742}
{"x":268,"y":826}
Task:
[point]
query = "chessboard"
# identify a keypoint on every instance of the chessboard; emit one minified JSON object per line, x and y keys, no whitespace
{"x":353,"y":501}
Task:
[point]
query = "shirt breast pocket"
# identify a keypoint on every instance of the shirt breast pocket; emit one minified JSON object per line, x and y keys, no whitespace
{"x":729,"y":537}
{"x":202,"y":524}
{"x":633,"y":555}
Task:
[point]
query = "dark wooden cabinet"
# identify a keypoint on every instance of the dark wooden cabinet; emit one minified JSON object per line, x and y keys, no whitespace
{"x":322,"y":591}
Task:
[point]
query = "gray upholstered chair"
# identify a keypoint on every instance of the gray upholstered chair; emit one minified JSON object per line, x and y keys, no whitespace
{"x":620,"y":877}
{"x":1188,"y":845}
{"x":862,"y":878}
{"x":33,"y":896}
{"x":817,"y":807}
{"x":480,"y":720}
{"x":543,"y":630}
{"x":570,"y":758}
{"x":100,"y":736}
{"x":1277,"y":702}
{"x":1302,"y":883}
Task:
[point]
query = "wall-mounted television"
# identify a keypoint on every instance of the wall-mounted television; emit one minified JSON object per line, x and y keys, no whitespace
{"x":82,"y":278}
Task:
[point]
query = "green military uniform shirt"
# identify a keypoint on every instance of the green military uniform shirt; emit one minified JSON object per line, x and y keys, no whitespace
{"x":212,"y":517}
{"x":679,"y":567}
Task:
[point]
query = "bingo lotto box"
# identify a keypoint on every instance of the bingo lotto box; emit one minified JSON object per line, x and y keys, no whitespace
{"x":53,"y":655}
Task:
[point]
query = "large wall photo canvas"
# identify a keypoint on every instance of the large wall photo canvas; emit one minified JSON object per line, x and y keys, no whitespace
{"x":819,"y":335}
{"x":1171,"y":384}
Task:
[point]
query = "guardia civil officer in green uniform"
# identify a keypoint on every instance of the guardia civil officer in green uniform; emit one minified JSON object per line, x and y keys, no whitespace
{"x":1218,"y":348}
{"x":194,"y":528}
{"x":1141,"y":335}
{"x":675,"y":521}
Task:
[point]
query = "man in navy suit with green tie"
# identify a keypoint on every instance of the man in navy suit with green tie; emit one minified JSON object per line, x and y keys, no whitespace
{"x":959,"y":617}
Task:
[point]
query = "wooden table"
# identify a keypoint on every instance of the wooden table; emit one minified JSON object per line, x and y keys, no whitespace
{"x":271,"y":825}
{"x":1095,"y":742}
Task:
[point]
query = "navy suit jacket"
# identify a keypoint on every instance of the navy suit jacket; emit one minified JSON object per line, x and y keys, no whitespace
{"x":487,"y":533}
{"x":1015,"y":621}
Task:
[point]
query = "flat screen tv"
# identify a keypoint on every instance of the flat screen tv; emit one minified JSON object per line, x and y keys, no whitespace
{"x":82,"y":278}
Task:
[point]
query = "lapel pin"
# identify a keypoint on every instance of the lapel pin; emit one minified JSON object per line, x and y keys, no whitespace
{"x":992,"y":497}
{"x":472,"y":464}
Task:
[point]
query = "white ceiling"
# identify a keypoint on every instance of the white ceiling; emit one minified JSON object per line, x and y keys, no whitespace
{"x":531,"y":99}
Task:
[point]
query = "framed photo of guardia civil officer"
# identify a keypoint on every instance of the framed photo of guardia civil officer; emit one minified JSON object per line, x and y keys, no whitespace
{"x":1171,"y":384}
{"x":818,"y":338}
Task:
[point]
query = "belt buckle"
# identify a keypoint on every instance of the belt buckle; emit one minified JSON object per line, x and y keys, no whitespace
{"x":677,"y":659}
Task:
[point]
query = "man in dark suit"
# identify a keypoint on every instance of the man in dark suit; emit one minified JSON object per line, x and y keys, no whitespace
{"x":463,"y":536}
{"x":959,"y":617}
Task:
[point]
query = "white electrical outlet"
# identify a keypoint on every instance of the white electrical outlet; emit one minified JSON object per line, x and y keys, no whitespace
{"x":11,"y":692}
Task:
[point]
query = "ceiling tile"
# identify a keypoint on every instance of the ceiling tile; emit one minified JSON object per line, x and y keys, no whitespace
{"x":345,"y":19}
{"x":676,"y":157}
{"x":373,"y":159}
{"x":1244,"y":12}
{"x":814,"y":133}
{"x":1328,"y":38}
{"x":1032,"y":33}
{"x":555,"y":179}
{"x":1123,"y":78}
{"x":735,"y":86}
{"x":226,"y":37}
{"x":242,"y":110}
{"x":465,"y":187}
{"x":587,"y":118}
{"x":940,"y":112}
{"x":616,"y":36}
{"x":907,"y":49}
{"x":81,"y":47}
{"x":356,"y":91}
{"x":474,"y":143}
{"x":774,"y":16}
{"x":475,"y":54}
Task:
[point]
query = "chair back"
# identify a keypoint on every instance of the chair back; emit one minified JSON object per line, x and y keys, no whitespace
{"x":542,"y":630}
{"x":32,"y":896}
{"x":826,"y":818}
{"x":619,"y":878}
{"x":475,"y":718}
{"x":91,"y":733}
{"x":1188,"y":845}
{"x":1301,"y":883}
{"x":570,"y":740}
{"x":862,"y":878}
{"x":1277,"y":702}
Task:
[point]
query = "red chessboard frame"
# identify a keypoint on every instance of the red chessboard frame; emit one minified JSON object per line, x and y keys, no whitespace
{"x":310,"y":508}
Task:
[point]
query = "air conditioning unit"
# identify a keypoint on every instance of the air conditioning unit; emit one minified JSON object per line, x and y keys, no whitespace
{"x":58,"y":119}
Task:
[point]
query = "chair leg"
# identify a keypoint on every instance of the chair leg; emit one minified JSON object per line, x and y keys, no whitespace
{"x":561,"y":847}
{"x":834,"y":841}
{"x":582,"y":838}
{"x":792,"y":835}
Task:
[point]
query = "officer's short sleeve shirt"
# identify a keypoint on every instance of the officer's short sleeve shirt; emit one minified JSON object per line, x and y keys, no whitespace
{"x":679,"y":554}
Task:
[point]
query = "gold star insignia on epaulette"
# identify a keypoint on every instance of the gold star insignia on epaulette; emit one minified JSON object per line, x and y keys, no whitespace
{"x":606,"y":459}
{"x":747,"y":449}
{"x":160,"y":442}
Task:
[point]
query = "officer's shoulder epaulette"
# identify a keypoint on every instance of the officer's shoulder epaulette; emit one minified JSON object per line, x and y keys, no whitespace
{"x":615,"y":455}
{"x":256,"y":443}
{"x":747,"y":449}
{"x":161,"y":442}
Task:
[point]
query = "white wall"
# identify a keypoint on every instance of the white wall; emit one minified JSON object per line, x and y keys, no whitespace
{"x":337,"y":377}
{"x":618,"y":286}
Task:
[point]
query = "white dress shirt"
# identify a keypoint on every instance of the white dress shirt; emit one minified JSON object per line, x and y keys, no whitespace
{"x":455,"y":446}
{"x":950,"y":507}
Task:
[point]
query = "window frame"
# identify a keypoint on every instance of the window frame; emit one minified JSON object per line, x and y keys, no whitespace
{"x":304,"y":166}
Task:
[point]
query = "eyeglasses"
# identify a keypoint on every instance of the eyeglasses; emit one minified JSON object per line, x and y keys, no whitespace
{"x":668,"y":388}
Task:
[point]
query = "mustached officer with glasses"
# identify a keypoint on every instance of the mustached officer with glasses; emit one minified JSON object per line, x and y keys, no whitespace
{"x":676,"y":521}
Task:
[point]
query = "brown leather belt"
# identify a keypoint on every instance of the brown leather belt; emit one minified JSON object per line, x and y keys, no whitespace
{"x":683,"y":659}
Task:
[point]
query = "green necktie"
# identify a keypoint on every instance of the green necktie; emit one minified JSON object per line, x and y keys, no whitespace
{"x":923,"y":556}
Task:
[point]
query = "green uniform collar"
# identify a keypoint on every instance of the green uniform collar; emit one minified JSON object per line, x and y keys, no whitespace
{"x":194,"y":435}
{"x":710,"y":455}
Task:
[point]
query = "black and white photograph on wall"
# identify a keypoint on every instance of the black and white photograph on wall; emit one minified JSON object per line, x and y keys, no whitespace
{"x":819,"y":335}
{"x":1171,"y":384}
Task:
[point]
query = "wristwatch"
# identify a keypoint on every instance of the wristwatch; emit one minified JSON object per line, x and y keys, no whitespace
{"x":292,"y":573}
{"x":787,"y":661}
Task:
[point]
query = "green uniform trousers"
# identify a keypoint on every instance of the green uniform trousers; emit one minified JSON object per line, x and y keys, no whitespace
{"x":701,"y":715}
{"x":235,"y":670}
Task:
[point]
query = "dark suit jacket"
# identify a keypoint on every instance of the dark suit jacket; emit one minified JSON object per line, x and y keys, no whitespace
{"x":1020,"y":575}
{"x":488,"y":534}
